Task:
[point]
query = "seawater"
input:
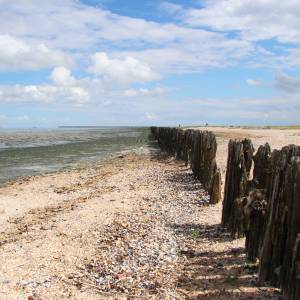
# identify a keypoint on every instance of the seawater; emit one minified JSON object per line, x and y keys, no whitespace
{"x":30,"y":152}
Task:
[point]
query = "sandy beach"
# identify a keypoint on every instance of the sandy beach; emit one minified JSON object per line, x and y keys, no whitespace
{"x":135,"y":226}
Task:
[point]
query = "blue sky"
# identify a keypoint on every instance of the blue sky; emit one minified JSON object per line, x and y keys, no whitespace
{"x":116,"y":62}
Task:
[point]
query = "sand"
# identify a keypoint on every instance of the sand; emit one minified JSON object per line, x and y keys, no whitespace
{"x":135,"y":225}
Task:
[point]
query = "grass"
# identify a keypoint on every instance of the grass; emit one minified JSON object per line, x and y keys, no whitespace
{"x":195,"y":233}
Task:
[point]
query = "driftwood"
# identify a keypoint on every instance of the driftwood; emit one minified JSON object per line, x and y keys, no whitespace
{"x":239,"y":162}
{"x":198,"y":149}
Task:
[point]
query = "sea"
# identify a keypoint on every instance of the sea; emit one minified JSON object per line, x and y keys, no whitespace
{"x":27,"y":152}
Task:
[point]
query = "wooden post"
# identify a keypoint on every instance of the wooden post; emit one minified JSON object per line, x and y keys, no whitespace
{"x":256,"y":210}
{"x":197,"y":148}
{"x":283,"y":216}
{"x":240,"y":155}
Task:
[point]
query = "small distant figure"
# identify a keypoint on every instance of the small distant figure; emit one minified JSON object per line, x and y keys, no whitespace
{"x":179,"y":125}
{"x":206,"y":124}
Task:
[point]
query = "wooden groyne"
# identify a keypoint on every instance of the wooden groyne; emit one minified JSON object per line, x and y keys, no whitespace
{"x":261,"y":198}
{"x":266,"y":209}
{"x":198,"y":149}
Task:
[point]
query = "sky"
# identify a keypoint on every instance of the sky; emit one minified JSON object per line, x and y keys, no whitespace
{"x":150,"y":62}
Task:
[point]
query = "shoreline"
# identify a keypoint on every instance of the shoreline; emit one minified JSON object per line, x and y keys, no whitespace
{"x":80,"y":166}
{"x":33,"y":153}
{"x":12,"y":193}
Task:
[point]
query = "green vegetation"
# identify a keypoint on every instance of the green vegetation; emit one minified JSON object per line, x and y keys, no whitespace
{"x":195,"y":233}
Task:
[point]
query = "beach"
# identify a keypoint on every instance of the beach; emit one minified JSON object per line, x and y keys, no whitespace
{"x":134,"y":225}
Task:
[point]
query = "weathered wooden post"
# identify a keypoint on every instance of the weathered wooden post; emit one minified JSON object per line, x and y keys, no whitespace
{"x":197,"y":148}
{"x":240,"y":154}
{"x":290,"y":273}
{"x":283,"y":216}
{"x":256,"y":207}
{"x":254,"y":218}
{"x":292,"y":291}
{"x":261,"y":171}
{"x":216,"y":194}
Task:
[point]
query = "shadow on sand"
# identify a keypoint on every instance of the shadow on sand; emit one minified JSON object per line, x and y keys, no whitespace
{"x":218,"y":273}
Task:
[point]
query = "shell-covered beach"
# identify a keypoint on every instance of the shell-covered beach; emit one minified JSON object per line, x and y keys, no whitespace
{"x":133,"y":226}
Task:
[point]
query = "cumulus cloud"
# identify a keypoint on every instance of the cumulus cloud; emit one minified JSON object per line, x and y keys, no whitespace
{"x":127,"y":70}
{"x":62,"y":76}
{"x":43,"y":94}
{"x":26,"y":93}
{"x":18,"y":55}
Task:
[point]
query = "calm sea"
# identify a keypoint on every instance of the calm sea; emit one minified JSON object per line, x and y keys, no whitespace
{"x":35,"y":151}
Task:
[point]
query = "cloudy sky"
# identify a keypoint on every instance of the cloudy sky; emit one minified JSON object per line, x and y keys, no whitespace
{"x":133,"y":62}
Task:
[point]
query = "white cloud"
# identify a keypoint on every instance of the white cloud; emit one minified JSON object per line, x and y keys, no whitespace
{"x":127,"y":70}
{"x":62,"y":76}
{"x":254,"y":19}
{"x":253,"y":82}
{"x":44,"y":94}
{"x":287,"y":83}
{"x":145,"y":92}
{"x":62,"y":26}
{"x":26,"y":93}
{"x":291,"y":58}
{"x":170,"y":7}
{"x":126,"y":51}
{"x":68,"y":25}
{"x":79,"y":95}
{"x":18,"y":55}
{"x":195,"y":54}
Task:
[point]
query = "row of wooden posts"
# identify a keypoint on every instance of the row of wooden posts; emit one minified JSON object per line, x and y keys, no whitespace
{"x":261,"y":198}
{"x":198,"y":149}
